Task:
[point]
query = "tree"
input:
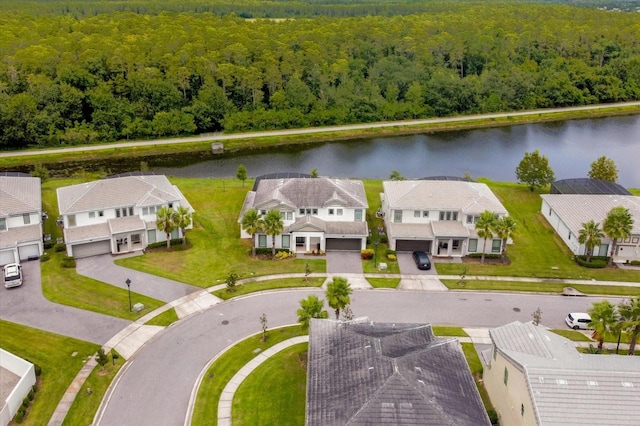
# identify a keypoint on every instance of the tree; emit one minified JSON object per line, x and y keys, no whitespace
{"x":165,"y":221}
{"x":604,"y":317}
{"x":537,"y":316}
{"x":484,"y":228}
{"x":253,"y":224}
{"x":241,"y":173}
{"x":273,"y":225}
{"x":534,"y":170}
{"x":604,"y":169}
{"x":263,"y":325}
{"x":338,"y":294}
{"x":102,"y":358}
{"x":395,"y":175}
{"x":504,"y":229}
{"x":618,"y":224}
{"x":630,"y":320}
{"x":182,"y":219}
{"x":311,"y":307}
{"x":307,"y":272}
{"x":314,"y":172}
{"x":590,"y":235}
{"x":231,"y":281}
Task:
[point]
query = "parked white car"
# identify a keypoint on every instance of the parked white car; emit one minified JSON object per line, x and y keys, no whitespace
{"x":12,"y":275}
{"x":578,"y":320}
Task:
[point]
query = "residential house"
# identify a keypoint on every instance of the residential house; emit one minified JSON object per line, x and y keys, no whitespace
{"x":318,"y":214}
{"x":116,"y":215}
{"x":20,"y":218}
{"x":536,"y":377}
{"x":567,"y":212}
{"x":438,"y":216}
{"x":366,"y":373}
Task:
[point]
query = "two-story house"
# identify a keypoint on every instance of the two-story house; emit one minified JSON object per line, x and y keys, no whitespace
{"x":318,"y":214}
{"x":20,"y":218}
{"x":438,"y":216}
{"x":116,"y":215}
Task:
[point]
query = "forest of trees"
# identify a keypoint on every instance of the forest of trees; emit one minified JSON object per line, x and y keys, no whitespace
{"x":68,"y":79}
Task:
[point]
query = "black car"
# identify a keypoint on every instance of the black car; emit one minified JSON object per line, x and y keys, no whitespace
{"x":422,"y":260}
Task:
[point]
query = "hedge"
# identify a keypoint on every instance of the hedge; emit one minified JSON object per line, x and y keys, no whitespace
{"x":597,"y":262}
{"x":159,"y":244}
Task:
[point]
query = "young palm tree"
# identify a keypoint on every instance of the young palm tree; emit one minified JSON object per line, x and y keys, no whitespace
{"x":252,"y":223}
{"x":182,"y":217}
{"x":630,"y":311}
{"x":311,"y":307}
{"x":165,"y":221}
{"x":338,"y":292}
{"x":504,"y":228}
{"x":618,"y":224}
{"x":273,"y":225}
{"x":604,"y":317}
{"x":590,"y":235}
{"x":484,"y":227}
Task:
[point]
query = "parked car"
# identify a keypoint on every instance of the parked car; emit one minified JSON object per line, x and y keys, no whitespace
{"x":12,"y":275}
{"x":422,"y":260}
{"x":578,"y":320}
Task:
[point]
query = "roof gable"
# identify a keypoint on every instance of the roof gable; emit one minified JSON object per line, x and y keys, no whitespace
{"x":19,"y":195}
{"x":316,"y":192}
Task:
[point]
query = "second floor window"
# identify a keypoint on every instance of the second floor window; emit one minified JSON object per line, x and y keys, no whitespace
{"x":448,"y":215}
{"x":26,"y":218}
{"x":3,"y":224}
{"x":397,"y":216}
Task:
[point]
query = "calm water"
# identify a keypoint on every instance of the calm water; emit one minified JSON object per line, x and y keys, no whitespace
{"x":571,"y":146}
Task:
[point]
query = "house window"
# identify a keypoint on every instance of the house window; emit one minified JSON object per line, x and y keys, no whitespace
{"x":634,"y":240}
{"x":604,"y":250}
{"x":263,"y":212}
{"x":100,"y":213}
{"x":495,"y":246}
{"x":469,"y":219}
{"x":455,"y":244}
{"x":282,"y":215}
{"x":92,"y":215}
{"x":72,"y":219}
{"x":151,"y":236}
{"x":495,"y":352}
{"x":339,"y":212}
{"x":300,"y":241}
{"x":145,"y":211}
{"x":473,"y":245}
{"x":569,"y":236}
{"x":506,"y":376}
{"x":170,"y":205}
{"x":448,"y":215}
{"x":416,"y":213}
{"x":135,"y":239}
{"x":425,"y":213}
{"x":117,"y":212}
{"x":397,"y":216}
{"x":26,"y":218}
{"x":3,"y":224}
{"x":315,"y":211}
{"x":175,"y":233}
{"x":522,"y":409}
{"x":549,"y":212}
{"x":286,"y":241}
{"x":130,"y":211}
{"x":331,"y":212}
{"x":262,"y":240}
{"x":289,"y":215}
{"x":357,"y":215}
{"x":301,"y":211}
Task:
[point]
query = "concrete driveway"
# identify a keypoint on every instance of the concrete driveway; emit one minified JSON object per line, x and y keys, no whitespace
{"x":26,"y":305}
{"x":408,"y":266}
{"x":343,"y":262}
{"x":103,"y":269}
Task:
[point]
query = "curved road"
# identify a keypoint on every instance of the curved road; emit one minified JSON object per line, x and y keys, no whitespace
{"x":311,"y":130}
{"x":156,"y":383}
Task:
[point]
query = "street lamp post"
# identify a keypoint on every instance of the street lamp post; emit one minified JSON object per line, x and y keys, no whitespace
{"x":128,"y":283}
{"x":375,"y":253}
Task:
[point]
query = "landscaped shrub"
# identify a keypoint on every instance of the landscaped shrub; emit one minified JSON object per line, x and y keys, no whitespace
{"x":59,"y":248}
{"x":282,"y":254}
{"x":597,"y":262}
{"x":45,"y":257}
{"x":19,"y":416}
{"x":31,"y":394}
{"x":47,"y":245}
{"x":38,"y":370}
{"x":392,"y":257}
{"x":635,"y":263}
{"x":68,"y":262}
{"x":263,"y":251}
{"x":486,"y":256}
{"x":159,"y":244}
{"x":367,"y":254}
{"x":384,"y":239}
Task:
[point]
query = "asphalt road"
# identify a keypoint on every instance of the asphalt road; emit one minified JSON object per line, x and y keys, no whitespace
{"x":158,"y":381}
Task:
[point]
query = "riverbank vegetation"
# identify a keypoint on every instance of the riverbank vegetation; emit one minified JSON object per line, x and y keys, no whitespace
{"x":89,"y":73}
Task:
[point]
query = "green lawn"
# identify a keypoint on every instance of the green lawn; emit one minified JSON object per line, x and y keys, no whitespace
{"x":274,"y":393}
{"x":573,"y":335}
{"x":448,"y":331}
{"x":54,"y":354}
{"x":255,"y":286}
{"x":475,"y":365}
{"x":541,"y":287}
{"x":165,"y":319}
{"x":384,"y":282}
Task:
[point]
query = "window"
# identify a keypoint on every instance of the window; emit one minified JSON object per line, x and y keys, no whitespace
{"x":397,"y":216}
{"x":263,"y":212}
{"x":26,"y":219}
{"x":72,"y":219}
{"x":448,"y":215}
{"x":357,"y":215}
{"x":425,"y":213}
{"x":151,"y":236}
{"x":135,"y":239}
{"x":331,"y":212}
{"x":282,"y":215}
{"x":3,"y":224}
{"x":301,"y":211}
{"x":634,"y":240}
{"x":604,"y":250}
{"x":262,"y":240}
{"x":495,"y":246}
{"x":286,"y":241}
{"x":569,"y":236}
{"x":549,"y":212}
{"x":300,"y":241}
{"x":145,"y":211}
{"x":289,"y":215}
{"x":495,"y":352}
{"x":92,"y":215}
{"x":472,"y":219}
{"x":314,"y":211}
{"x":522,"y":409}
{"x":473,"y":245}
{"x":416,"y":213}
{"x":130,"y":211}
{"x":455,"y":244}
{"x":339,"y":212}
{"x":100,"y":213}
{"x":506,"y":376}
{"x":170,"y":205}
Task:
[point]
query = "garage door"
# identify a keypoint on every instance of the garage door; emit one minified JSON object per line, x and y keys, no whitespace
{"x":6,"y":256}
{"x":30,"y":251}
{"x":413,"y":245}
{"x":91,"y":249}
{"x":343,"y":244}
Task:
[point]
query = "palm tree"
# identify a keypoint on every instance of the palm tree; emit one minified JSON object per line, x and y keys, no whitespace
{"x":484,"y":227}
{"x":273,"y":225}
{"x":504,"y":228}
{"x":630,"y":313}
{"x":604,"y":317}
{"x":182,"y":217}
{"x":590,"y":235}
{"x":252,"y":223}
{"x":338,"y":292}
{"x":618,"y":224}
{"x":165,"y":221}
{"x":311,"y":307}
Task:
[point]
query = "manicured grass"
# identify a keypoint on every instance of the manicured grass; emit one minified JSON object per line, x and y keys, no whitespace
{"x":475,"y":365}
{"x":384,"y":282}
{"x":227,"y":365}
{"x":541,"y":287}
{"x":164,"y":319}
{"x":572,"y":335}
{"x":53,"y":353}
{"x":447,"y":331}
{"x":86,"y":404}
{"x":274,"y":393}
{"x":255,"y":286}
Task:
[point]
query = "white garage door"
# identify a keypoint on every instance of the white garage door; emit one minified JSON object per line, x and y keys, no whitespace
{"x":6,"y":256}
{"x":30,"y":251}
{"x":91,"y":249}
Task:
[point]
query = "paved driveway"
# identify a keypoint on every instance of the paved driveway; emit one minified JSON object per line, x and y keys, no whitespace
{"x":344,"y":262}
{"x":27,"y":306}
{"x":103,"y":269}
{"x":408,"y":266}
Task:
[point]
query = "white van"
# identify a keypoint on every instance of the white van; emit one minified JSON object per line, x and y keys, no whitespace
{"x":12,"y":274}
{"x":578,"y":320}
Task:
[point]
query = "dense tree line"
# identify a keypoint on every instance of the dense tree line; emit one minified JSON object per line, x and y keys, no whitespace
{"x":68,"y":80}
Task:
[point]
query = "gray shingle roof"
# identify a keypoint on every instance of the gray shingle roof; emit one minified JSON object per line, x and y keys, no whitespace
{"x":365,"y":373}
{"x":20,"y":235}
{"x":19,"y":195}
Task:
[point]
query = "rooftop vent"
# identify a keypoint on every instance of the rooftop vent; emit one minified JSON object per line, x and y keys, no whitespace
{"x":627,"y":384}
{"x":592,"y":383}
{"x":562,"y":382}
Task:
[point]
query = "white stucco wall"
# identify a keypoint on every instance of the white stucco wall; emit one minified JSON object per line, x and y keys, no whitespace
{"x":26,"y":371}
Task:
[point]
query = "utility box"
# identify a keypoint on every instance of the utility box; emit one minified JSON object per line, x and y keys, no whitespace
{"x":138,"y":307}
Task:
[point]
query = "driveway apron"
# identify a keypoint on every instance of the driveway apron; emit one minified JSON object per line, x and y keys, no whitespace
{"x":343,"y":262}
